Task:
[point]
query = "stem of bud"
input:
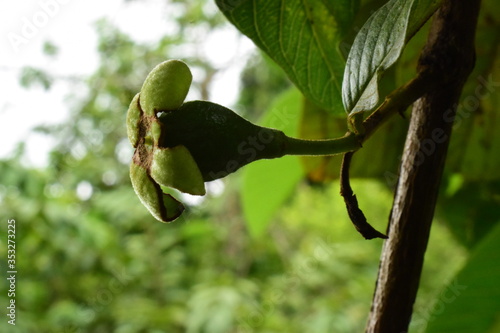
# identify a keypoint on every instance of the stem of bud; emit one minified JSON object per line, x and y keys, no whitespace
{"x":349,"y":142}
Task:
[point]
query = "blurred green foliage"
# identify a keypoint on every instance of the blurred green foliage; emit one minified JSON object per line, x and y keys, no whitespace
{"x":90,"y":258}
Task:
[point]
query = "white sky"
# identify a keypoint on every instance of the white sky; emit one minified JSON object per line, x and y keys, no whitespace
{"x":69,"y":25}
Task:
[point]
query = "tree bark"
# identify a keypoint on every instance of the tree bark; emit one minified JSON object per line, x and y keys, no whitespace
{"x":446,"y":61}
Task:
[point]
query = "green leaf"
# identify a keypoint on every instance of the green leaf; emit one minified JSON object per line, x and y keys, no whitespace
{"x":303,"y":37}
{"x":471,"y":302}
{"x":377,"y":46}
{"x":469,"y":208}
{"x":422,"y":10}
{"x":476,"y":141}
{"x":267,"y":184}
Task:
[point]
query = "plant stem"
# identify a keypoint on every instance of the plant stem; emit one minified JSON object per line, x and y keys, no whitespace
{"x":397,"y":102}
{"x":355,"y":214}
{"x":349,"y":142}
{"x":448,"y":59}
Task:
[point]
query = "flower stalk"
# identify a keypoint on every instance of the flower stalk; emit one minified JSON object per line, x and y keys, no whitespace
{"x":349,"y":142}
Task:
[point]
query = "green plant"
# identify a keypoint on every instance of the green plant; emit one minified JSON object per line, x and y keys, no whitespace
{"x":181,"y":145}
{"x":305,"y":39}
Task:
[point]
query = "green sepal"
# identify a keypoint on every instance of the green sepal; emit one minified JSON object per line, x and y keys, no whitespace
{"x":175,"y":167}
{"x":163,"y":207}
{"x":133,"y":118}
{"x":155,"y":131}
{"x":165,"y":87}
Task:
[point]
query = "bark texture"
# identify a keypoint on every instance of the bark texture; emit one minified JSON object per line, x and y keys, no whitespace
{"x":446,"y":62}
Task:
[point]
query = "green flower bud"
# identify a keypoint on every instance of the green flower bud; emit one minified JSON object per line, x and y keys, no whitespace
{"x":182,"y":145}
{"x":166,"y":87}
{"x":153,"y":166}
{"x":219,"y":140}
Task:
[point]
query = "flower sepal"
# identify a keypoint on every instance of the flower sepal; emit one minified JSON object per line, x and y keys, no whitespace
{"x":175,"y":167}
{"x":164,"y":207}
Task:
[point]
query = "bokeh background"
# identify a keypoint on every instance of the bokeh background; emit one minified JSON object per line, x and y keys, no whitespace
{"x":270,"y":248}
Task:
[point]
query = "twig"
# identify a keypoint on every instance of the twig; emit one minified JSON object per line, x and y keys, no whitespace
{"x":356,"y":215}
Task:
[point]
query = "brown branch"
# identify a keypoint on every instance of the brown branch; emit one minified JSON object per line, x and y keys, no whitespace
{"x":448,"y":58}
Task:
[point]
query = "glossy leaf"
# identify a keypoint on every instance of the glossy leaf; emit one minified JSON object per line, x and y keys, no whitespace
{"x":388,"y":142}
{"x":303,"y":37}
{"x":377,"y":46}
{"x":267,"y":184}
